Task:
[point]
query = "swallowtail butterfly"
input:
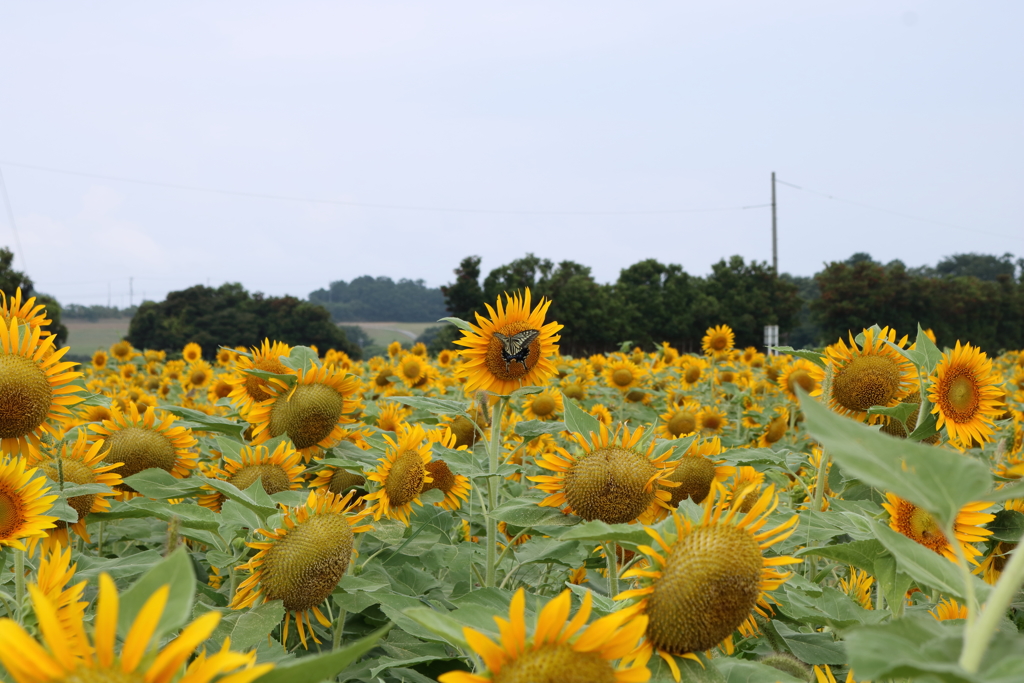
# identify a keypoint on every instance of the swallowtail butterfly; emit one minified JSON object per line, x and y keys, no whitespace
{"x":516,"y":347}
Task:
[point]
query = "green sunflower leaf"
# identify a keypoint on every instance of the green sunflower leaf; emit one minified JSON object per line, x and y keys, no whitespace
{"x":1007,"y":526}
{"x":597,"y":531}
{"x":159,"y":484}
{"x":931,"y":353}
{"x":323,"y":666}
{"x":177,"y":573}
{"x":301,"y":359}
{"x":578,"y":420}
{"x":435,"y":406}
{"x":531,"y":429}
{"x":207,"y":423}
{"x":939,"y":481}
{"x":288,"y":379}
{"x":528,"y":513}
{"x":458,"y":322}
{"x":813,"y":356}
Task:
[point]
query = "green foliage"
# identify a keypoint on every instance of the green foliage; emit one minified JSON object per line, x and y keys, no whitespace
{"x":464,"y":296}
{"x":11,"y":280}
{"x":380,"y":299}
{"x":229,"y":316}
{"x":94,"y":313}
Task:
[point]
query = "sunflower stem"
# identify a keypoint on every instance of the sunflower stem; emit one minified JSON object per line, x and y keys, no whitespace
{"x":19,"y":583}
{"x":493,"y":447}
{"x":339,"y":629}
{"x":965,"y":574}
{"x":611,"y":554}
{"x":976,"y":639}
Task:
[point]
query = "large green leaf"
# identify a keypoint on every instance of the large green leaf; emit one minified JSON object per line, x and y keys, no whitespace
{"x":578,"y":420}
{"x":911,"y":647}
{"x":435,"y":406}
{"x":323,"y":666}
{"x":458,"y":322}
{"x":738,"y":670}
{"x":527,"y":513}
{"x":207,"y":423}
{"x":938,"y":480}
{"x":301,"y":359}
{"x":597,"y":531}
{"x":531,"y":429}
{"x":814,"y":356}
{"x":175,"y":571}
{"x":161,"y":485}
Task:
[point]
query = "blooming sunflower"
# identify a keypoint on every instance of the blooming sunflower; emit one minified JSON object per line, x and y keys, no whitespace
{"x":52,"y":578}
{"x":554,"y":653}
{"x":402,"y":474}
{"x":858,"y":378}
{"x":858,"y":586}
{"x":65,"y":653}
{"x":34,"y":387}
{"x":303,"y":562}
{"x":499,"y":366}
{"x":123,"y":351}
{"x":392,"y":416}
{"x":622,"y":374}
{"x":800,"y":373}
{"x":249,"y":390}
{"x":140,"y":442}
{"x":918,"y":525}
{"x":710,"y":579}
{"x":611,"y":481}
{"x":543,"y":406}
{"x":411,"y":369}
{"x":679,"y":420}
{"x":455,"y":487}
{"x":601,"y":412}
{"x":965,"y":394}
{"x":197,"y":375}
{"x":80,"y":463}
{"x":949,"y":609}
{"x":718,"y":341}
{"x":311,"y":413}
{"x":995,"y":561}
{"x":23,"y":504}
{"x":30,"y":313}
{"x":192,"y":352}
{"x":278,"y":471}
{"x":696,"y":473}
{"x":712,"y":420}
{"x":338,"y":481}
{"x":775,"y":429}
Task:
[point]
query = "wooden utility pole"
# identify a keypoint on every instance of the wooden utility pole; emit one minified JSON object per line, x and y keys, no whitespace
{"x":775,"y":239}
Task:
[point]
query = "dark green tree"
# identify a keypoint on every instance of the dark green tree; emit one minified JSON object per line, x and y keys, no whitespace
{"x":379,"y":299}
{"x":229,"y":316}
{"x":465,"y":296}
{"x":750,"y":296}
{"x":11,"y":280}
{"x":981,"y":266}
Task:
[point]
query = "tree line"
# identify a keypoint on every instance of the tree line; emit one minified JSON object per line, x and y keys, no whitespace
{"x":380,"y":299}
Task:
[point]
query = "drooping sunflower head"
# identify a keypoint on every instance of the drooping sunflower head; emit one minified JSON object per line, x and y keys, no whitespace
{"x":553,"y":652}
{"x":402,"y":474}
{"x":250,"y":389}
{"x":611,"y":480}
{"x":139,"y":442}
{"x":919,"y":525}
{"x":312,"y":412}
{"x":711,"y":578}
{"x":860,"y":377}
{"x":302,"y":563}
{"x":279,"y":471}
{"x":35,"y":388}
{"x":965,"y":394}
{"x":718,"y":341}
{"x":24,"y":502}
{"x":511,"y":348}
{"x":697,"y":471}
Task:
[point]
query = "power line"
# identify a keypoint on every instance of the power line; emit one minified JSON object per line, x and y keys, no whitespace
{"x":10,"y":217}
{"x":310,"y":200}
{"x":889,"y":211}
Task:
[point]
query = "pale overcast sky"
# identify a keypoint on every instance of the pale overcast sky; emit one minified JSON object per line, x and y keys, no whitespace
{"x":593,"y":109}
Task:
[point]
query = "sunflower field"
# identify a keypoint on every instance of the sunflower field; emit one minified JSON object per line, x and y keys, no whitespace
{"x":506,"y":513}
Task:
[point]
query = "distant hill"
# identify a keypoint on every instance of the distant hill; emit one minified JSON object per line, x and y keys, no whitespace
{"x":381,"y":299}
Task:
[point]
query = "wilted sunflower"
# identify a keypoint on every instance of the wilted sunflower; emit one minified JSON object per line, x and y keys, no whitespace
{"x":918,"y":525}
{"x":311,"y":413}
{"x":249,"y":389}
{"x":710,"y":579}
{"x":554,"y":653}
{"x":611,"y":481}
{"x":23,"y":504}
{"x":718,"y":341}
{"x":192,"y":352}
{"x":523,"y":359}
{"x":800,"y":373}
{"x":402,"y":474}
{"x":65,"y":653}
{"x":142,"y":442}
{"x":30,"y":313}
{"x":696,"y":472}
{"x":858,"y":378}
{"x":965,"y":394}
{"x":545,"y":405}
{"x":80,"y":463}
{"x":278,"y":471}
{"x":34,"y":388}
{"x":302,"y":563}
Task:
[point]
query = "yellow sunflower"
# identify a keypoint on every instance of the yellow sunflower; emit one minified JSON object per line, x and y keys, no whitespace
{"x":965,"y":394}
{"x":601,"y":412}
{"x":34,"y":388}
{"x":858,"y":586}
{"x":610,"y":481}
{"x":402,"y":474}
{"x":524,"y":358}
{"x":140,"y":442}
{"x":445,"y":357}
{"x":858,"y":378}
{"x":312,"y":413}
{"x":679,"y":420}
{"x":123,"y":351}
{"x":718,"y":341}
{"x":545,"y":405}
{"x":192,"y":352}
{"x":23,"y":504}
{"x":775,"y":429}
{"x":949,"y":609}
{"x":696,"y":472}
{"x":622,"y":374}
{"x":65,"y":653}
{"x":52,"y":578}
{"x":710,"y":580}
{"x":554,"y":653}
{"x":278,"y":471}
{"x":197,"y":375}
{"x":30,"y":313}
{"x":394,"y":348}
{"x":302,"y":563}
{"x":918,"y":525}
{"x":455,"y":487}
{"x":995,"y":561}
{"x":692,"y":371}
{"x":80,"y":463}
{"x":392,"y":416}
{"x":248,"y":389}
{"x":99,"y":360}
{"x":713,"y":420}
{"x":800,"y":373}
